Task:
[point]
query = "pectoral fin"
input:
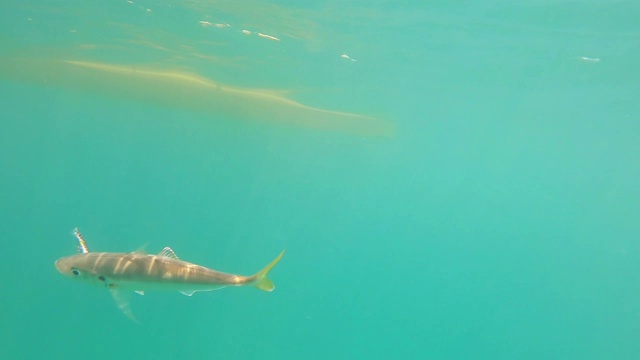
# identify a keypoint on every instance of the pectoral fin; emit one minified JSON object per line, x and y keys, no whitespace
{"x":122,"y":300}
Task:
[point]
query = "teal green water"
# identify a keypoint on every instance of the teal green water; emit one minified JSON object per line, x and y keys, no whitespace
{"x":500,"y":222}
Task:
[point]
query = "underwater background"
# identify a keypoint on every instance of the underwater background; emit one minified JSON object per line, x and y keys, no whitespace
{"x":499,"y":220}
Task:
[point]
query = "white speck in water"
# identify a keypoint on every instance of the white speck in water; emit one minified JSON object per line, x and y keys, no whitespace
{"x":587,"y":59}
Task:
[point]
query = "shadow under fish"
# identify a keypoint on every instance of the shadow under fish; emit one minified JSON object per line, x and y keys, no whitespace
{"x":188,"y":91}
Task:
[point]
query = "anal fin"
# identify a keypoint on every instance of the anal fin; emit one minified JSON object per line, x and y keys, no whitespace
{"x":191,"y":292}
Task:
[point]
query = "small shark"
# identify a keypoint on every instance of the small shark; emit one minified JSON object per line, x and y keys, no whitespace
{"x":121,"y":273}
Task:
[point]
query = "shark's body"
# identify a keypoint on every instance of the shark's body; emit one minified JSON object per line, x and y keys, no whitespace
{"x":139,"y":272}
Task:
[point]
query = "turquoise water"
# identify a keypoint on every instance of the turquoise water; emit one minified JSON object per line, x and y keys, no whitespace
{"x":501,"y":221}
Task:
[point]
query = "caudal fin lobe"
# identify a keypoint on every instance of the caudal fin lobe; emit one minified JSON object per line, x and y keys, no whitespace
{"x":262,"y":281}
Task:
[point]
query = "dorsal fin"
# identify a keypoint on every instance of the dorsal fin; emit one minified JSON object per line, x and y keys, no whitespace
{"x":167,"y":252}
{"x":142,"y":249}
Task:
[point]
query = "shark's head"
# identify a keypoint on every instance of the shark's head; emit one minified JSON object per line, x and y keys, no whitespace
{"x":75,"y":267}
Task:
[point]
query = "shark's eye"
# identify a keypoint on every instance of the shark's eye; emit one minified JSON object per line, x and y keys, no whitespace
{"x":75,"y":272}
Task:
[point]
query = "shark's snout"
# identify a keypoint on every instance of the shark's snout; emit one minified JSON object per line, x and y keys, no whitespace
{"x":63,"y":266}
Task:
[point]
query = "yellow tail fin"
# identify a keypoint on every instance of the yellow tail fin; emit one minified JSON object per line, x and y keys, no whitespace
{"x":262,"y":282}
